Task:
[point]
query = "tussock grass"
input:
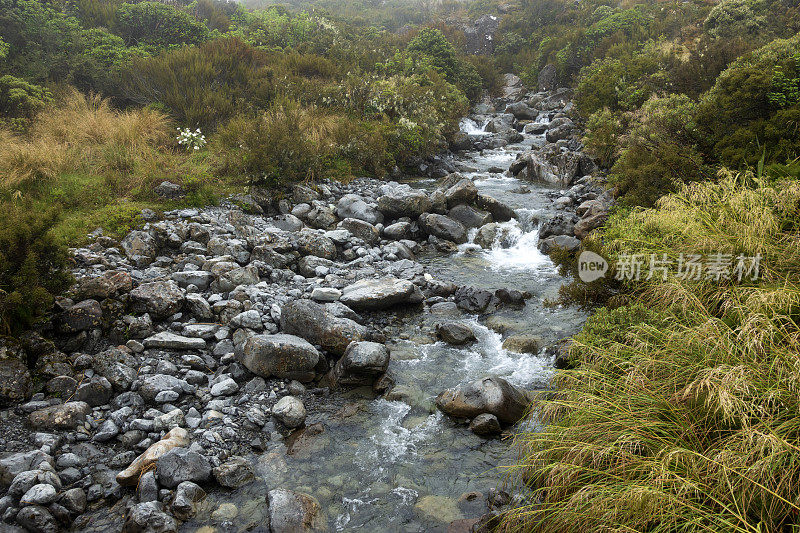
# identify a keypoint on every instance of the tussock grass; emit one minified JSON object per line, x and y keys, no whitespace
{"x":683,"y":413}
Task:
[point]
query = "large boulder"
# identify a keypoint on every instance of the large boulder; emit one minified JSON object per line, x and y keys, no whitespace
{"x":404,"y":203}
{"x":361,"y":364}
{"x":14,"y":463}
{"x":443,"y":227}
{"x":231,"y":279}
{"x":380,"y":293}
{"x":149,"y":517}
{"x":294,"y":512}
{"x":82,"y":316}
{"x":567,"y":242}
{"x":463,"y":192}
{"x":473,"y":299}
{"x":455,"y":333}
{"x":160,"y":299}
{"x":311,"y":321}
{"x":469,"y":217}
{"x":491,"y":395}
{"x":354,"y":206}
{"x":163,"y":387}
{"x":310,"y":243}
{"x":117,"y":366}
{"x":283,"y":356}
{"x":521,"y":111}
{"x":548,"y":78}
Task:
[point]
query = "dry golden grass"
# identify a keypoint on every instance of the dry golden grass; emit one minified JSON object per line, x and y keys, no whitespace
{"x":82,"y":132}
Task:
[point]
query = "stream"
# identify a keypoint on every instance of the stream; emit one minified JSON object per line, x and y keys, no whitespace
{"x":397,"y":463}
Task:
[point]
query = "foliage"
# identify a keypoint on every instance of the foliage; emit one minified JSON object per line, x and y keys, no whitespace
{"x":158,"y":24}
{"x":680,"y":415}
{"x":202,"y":86}
{"x":434,"y":46}
{"x":736,"y":18}
{"x":33,"y":267}
{"x":18,"y":98}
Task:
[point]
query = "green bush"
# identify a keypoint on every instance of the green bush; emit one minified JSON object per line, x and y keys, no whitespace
{"x":736,"y":18}
{"x":18,"y":98}
{"x":33,"y":269}
{"x":203,"y":86}
{"x":433,"y":45}
{"x":158,"y":24}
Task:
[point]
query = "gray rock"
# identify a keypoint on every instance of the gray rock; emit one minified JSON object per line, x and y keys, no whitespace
{"x":234,"y":473}
{"x":473,"y":300}
{"x":282,"y":356}
{"x":173,"y":341}
{"x":65,"y":416}
{"x":14,"y":463}
{"x":500,"y":211}
{"x":362,"y":364}
{"x":443,"y":227}
{"x":107,"y":431}
{"x":294,"y":512}
{"x":404,"y":203}
{"x":287,"y":222}
{"x":199,"y":278}
{"x":379,"y":293}
{"x":314,"y":323}
{"x":521,"y":111}
{"x":290,"y":411}
{"x":463,"y":192}
{"x":149,"y":517}
{"x":238,"y":276}
{"x":37,"y":519}
{"x":558,"y":224}
{"x":97,"y":391}
{"x":160,"y":299}
{"x":140,"y":247}
{"x":41,"y":494}
{"x":248,"y":319}
{"x":82,"y":316}
{"x":469,"y":216}
{"x":187,"y":496}
{"x":455,"y":333}
{"x":548,"y":78}
{"x":198,"y":306}
{"x":566,"y":242}
{"x":157,"y":384}
{"x":354,"y":206}
{"x":74,"y":500}
{"x":117,"y":366}
{"x":325,"y":294}
{"x":361,"y":229}
{"x":182,"y":464}
{"x":225,"y":388}
{"x":147,"y":487}
{"x":16,"y":384}
{"x":398,"y":231}
{"x":491,"y":395}
{"x":107,"y":285}
{"x":310,"y":243}
{"x":485,"y":424}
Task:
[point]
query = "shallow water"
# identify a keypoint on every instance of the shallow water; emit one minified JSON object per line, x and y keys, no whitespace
{"x":399,"y":464}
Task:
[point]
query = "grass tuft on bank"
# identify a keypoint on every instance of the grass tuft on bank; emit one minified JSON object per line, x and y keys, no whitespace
{"x":682,"y":412}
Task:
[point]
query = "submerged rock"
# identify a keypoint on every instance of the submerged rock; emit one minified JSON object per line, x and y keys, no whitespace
{"x":294,"y":512}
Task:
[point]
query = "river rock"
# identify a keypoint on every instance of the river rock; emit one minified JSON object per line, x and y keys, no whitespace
{"x":59,"y":417}
{"x":380,"y":293}
{"x":199,"y":278}
{"x":404,"y":203}
{"x":173,"y":341}
{"x":290,"y":411}
{"x":325,"y":294}
{"x":398,"y":231}
{"x":16,"y":384}
{"x":443,"y":227}
{"x":234,"y":473}
{"x":41,"y":494}
{"x":311,"y":243}
{"x":566,"y":242}
{"x":140,"y":247}
{"x":187,"y":496}
{"x":153,"y":387}
{"x":485,"y":424}
{"x":361,"y":364}
{"x":149,"y":517}
{"x":82,"y":316}
{"x":160,"y":299}
{"x":238,"y":276}
{"x":95,"y":391}
{"x":473,"y":300}
{"x":311,"y":321}
{"x":294,"y":512}
{"x":522,"y":344}
{"x":176,"y":438}
{"x":37,"y":519}
{"x":500,"y":212}
{"x":354,"y":206}
{"x":282,"y":355}
{"x":558,"y":224}
{"x":491,"y":395}
{"x":182,"y":464}
{"x":548,"y":78}
{"x":463,"y":192}
{"x":469,"y":216}
{"x":14,"y":463}
{"x":521,"y":111}
{"x":455,"y":333}
{"x":361,"y":229}
{"x":117,"y":366}
{"x":107,"y":285}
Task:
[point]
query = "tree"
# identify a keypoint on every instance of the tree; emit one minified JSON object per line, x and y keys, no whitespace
{"x":158,"y":24}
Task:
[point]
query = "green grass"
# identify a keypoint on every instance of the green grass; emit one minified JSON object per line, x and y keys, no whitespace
{"x":683,"y":412}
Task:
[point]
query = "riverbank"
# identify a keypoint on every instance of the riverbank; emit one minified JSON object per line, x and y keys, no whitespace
{"x":251,"y":359}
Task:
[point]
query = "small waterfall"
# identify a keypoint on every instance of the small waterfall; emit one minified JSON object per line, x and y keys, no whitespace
{"x":470,"y":127}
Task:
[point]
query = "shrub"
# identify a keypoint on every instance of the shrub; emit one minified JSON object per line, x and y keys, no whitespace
{"x":18,"y":98}
{"x":32,"y":266}
{"x":203,"y":86}
{"x":736,"y":18}
{"x":432,"y":44}
{"x":158,"y":24}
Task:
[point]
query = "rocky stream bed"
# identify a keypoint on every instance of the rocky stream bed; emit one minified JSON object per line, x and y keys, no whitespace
{"x":349,"y":357}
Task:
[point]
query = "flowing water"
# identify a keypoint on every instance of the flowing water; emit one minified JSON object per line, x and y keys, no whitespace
{"x":399,"y":464}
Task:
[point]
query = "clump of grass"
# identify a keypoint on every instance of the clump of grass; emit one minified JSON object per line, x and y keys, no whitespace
{"x":683,"y":413}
